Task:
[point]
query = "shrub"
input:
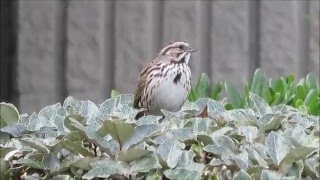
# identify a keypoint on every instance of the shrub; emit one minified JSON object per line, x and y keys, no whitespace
{"x":79,"y":139}
{"x":304,"y":94}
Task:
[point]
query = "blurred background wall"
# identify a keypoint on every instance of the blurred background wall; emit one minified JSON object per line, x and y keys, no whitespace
{"x":55,"y":48}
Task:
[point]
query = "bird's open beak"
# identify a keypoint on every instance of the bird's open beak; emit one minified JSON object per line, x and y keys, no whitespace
{"x":192,"y":50}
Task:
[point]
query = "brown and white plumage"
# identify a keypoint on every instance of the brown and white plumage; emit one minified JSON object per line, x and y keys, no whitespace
{"x":166,"y":81}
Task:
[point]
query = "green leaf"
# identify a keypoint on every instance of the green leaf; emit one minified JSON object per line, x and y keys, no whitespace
{"x":192,"y":95}
{"x":9,"y":114}
{"x":183,"y":134}
{"x":145,"y":164}
{"x":246,"y":92}
{"x":259,"y":105}
{"x":273,"y":124}
{"x":114,"y":93}
{"x":311,"y":81}
{"x":228,"y":106}
{"x":277,"y":99}
{"x":14,"y":130}
{"x":277,"y":147}
{"x":51,"y":161}
{"x":241,"y":175}
{"x":222,"y":145}
{"x":280,"y":86}
{"x":68,"y":121}
{"x":312,"y":167}
{"x":182,"y":174}
{"x":215,"y":94}
{"x":108,"y":146}
{"x":290,"y":79}
{"x":311,"y":100}
{"x":32,"y":164}
{"x":149,"y":119}
{"x":214,"y":108}
{"x":61,"y":177}
{"x":234,"y":96}
{"x":242,"y":160}
{"x":153,"y":175}
{"x":250,"y":132}
{"x":107,"y":107}
{"x":76,"y":147}
{"x":256,"y":157}
{"x":4,"y":169}
{"x":257,"y":85}
{"x":270,"y":175}
{"x":55,"y":115}
{"x":202,"y":86}
{"x":132,"y":154}
{"x":140,"y":133}
{"x":119,"y":130}
{"x":294,"y":155}
{"x":170,"y":151}
{"x":35,"y":144}
{"x":86,"y":108}
{"x":83,"y":163}
{"x":189,"y":107}
{"x":300,"y":94}
{"x":186,"y":161}
{"x":106,"y":167}
{"x":100,"y":172}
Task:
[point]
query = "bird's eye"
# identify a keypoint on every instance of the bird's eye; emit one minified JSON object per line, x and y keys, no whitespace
{"x":180,"y":47}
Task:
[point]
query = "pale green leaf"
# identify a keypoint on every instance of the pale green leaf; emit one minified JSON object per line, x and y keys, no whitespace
{"x":241,"y":175}
{"x":140,"y":133}
{"x":170,"y":151}
{"x":132,"y":154}
{"x":182,"y":174}
{"x":9,"y":114}
{"x":270,"y":175}
{"x":294,"y":155}
{"x":277,"y":147}
{"x":145,"y":164}
{"x":119,"y":130}
{"x":259,"y":105}
{"x":35,"y":144}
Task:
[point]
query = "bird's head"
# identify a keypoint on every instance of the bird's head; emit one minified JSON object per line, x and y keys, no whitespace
{"x":178,"y":51}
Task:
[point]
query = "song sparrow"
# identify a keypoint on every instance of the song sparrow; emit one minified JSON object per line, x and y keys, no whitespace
{"x":166,"y":81}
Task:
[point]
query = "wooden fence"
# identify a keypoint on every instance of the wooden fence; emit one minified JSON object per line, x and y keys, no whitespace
{"x":86,"y":48}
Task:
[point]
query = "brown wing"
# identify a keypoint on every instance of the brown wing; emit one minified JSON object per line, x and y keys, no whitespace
{"x":143,"y":78}
{"x":139,"y":91}
{"x":141,"y":85}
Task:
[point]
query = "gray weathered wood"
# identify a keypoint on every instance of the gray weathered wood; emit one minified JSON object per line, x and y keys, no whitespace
{"x":85,"y":50}
{"x":230,"y":43}
{"x":133,"y":42}
{"x":182,"y":23}
{"x":37,"y":54}
{"x":314,"y":37}
{"x":279,"y":38}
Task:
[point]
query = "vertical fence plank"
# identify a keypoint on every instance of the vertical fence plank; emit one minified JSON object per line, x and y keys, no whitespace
{"x":230,"y":42}
{"x":182,"y":22}
{"x":37,"y":54}
{"x":314,"y":37}
{"x":85,"y":50}
{"x":279,"y":38}
{"x":303,"y":27}
{"x":8,"y":51}
{"x":109,"y":48}
{"x":133,"y":41}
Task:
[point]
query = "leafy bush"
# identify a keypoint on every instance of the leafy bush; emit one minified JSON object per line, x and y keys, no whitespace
{"x":79,"y":139}
{"x":304,"y":94}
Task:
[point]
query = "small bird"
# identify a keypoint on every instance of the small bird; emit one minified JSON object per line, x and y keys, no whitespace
{"x":166,"y":81}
